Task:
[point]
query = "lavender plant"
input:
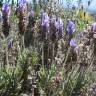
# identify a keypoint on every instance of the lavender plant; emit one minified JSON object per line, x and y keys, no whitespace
{"x":6,"y":25}
{"x":53,"y":80}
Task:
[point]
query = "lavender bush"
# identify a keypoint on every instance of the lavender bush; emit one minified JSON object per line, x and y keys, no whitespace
{"x":58,"y":54}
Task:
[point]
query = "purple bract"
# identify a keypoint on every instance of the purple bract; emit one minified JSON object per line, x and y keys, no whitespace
{"x":22,"y":6}
{"x":45,"y":19}
{"x":59,"y":23}
{"x":59,"y":26}
{"x":70,"y":27}
{"x":5,"y":7}
{"x":73,"y":43}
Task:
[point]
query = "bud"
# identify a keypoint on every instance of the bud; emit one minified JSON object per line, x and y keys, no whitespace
{"x":5,"y":7}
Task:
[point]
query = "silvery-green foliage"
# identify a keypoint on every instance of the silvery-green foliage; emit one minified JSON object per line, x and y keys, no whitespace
{"x":72,"y":84}
{"x":10,"y":80}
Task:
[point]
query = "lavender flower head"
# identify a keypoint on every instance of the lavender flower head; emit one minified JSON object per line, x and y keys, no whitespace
{"x":59,"y":23}
{"x":59,"y":26}
{"x":21,"y":13}
{"x":70,"y":27}
{"x":94,"y":26}
{"x":73,"y":43}
{"x":6,"y":22}
{"x":6,"y":9}
{"x":44,"y":22}
{"x":45,"y":19}
{"x":22,"y":5}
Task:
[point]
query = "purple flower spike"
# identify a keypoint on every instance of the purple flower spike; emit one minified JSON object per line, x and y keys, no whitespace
{"x":21,"y":6}
{"x":73,"y":43}
{"x":45,"y":19}
{"x":21,"y":3}
{"x":94,"y":26}
{"x":5,"y":7}
{"x":70,"y":27}
{"x":59,"y":26}
{"x":59,"y":23}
